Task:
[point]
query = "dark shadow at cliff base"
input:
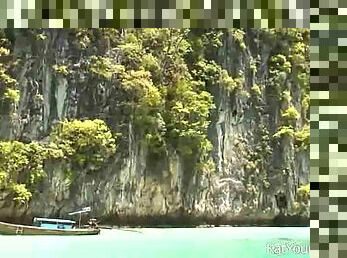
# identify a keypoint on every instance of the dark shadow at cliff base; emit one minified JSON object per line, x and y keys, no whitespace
{"x":291,"y":220}
{"x":200,"y":221}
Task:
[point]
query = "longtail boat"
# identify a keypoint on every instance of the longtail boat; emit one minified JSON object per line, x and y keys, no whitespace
{"x":46,"y":226}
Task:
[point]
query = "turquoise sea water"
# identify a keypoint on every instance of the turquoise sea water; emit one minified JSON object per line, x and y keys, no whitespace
{"x":221,"y":242}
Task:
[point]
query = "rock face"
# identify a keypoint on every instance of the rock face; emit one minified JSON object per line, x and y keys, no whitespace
{"x":135,"y":185}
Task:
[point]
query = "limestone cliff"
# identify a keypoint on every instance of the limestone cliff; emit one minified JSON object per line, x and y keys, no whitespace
{"x":250,"y":164}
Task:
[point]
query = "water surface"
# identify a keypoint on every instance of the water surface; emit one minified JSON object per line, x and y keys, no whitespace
{"x":221,"y":242}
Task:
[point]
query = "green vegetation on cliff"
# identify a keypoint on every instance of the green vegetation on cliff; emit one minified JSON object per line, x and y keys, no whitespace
{"x":84,"y":141}
{"x":302,"y":203}
{"x":160,"y":89}
{"x":22,"y":165}
{"x":165,"y":78}
{"x":290,"y":64}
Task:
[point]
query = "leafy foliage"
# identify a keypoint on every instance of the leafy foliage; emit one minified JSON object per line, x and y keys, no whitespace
{"x":41,"y":36}
{"x":22,"y":195}
{"x":285,"y":131}
{"x":105,"y":67}
{"x":302,"y":137}
{"x":188,"y":117}
{"x":12,"y":95}
{"x":141,"y":87}
{"x":305,"y":104}
{"x":291,"y":114}
{"x":256,"y":90}
{"x":302,"y":203}
{"x":239,"y":35}
{"x":230,"y":83}
{"x":83,"y":38}
{"x":304,"y":192}
{"x":279,"y":63}
{"x":21,"y":166}
{"x":61,"y":69}
{"x":88,"y":141}
{"x":7,"y":82}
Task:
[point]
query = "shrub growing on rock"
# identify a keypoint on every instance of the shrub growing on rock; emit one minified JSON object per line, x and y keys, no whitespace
{"x":84,"y":141}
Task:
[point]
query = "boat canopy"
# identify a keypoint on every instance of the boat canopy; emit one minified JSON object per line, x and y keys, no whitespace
{"x":84,"y":210}
{"x":60,"y":221}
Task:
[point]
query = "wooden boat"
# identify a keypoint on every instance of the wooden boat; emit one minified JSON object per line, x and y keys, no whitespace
{"x":14,"y":229}
{"x":46,"y":226}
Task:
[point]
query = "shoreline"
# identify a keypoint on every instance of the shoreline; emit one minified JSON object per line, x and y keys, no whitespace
{"x":188,"y":221}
